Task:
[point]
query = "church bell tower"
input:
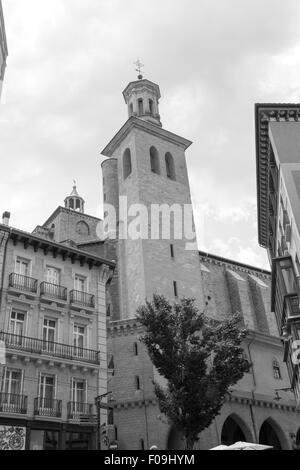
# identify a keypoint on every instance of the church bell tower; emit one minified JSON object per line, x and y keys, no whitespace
{"x":146,"y":171}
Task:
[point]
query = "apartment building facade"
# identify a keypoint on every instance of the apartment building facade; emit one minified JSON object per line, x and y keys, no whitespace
{"x":53,"y":329}
{"x":278,"y":185}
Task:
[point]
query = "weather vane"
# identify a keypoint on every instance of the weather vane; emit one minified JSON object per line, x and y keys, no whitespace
{"x":74,"y":182}
{"x":139,"y":67}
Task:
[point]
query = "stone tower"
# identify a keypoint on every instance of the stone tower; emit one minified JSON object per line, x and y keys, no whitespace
{"x":146,"y":181}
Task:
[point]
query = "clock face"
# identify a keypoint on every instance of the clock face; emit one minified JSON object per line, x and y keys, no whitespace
{"x":82,"y":228}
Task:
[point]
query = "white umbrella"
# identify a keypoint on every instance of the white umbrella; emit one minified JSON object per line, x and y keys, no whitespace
{"x":248,"y":446}
{"x":222,"y":447}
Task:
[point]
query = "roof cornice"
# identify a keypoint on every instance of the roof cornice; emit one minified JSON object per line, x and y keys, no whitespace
{"x":264,"y":113}
{"x":232,"y":263}
{"x":69,"y":211}
{"x":140,"y":84}
{"x":134,"y":122}
{"x":18,"y":236}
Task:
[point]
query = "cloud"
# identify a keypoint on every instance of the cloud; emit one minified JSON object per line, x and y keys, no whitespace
{"x":70,"y":60}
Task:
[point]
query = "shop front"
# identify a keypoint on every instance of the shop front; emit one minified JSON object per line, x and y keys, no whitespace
{"x":43,"y":435}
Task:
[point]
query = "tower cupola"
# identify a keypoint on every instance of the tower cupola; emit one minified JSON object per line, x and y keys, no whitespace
{"x":74,"y":201}
{"x":142,"y":98}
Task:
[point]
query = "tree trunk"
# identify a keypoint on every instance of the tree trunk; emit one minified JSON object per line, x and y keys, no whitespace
{"x":189,"y":443}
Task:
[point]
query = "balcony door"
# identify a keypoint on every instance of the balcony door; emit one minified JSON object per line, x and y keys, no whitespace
{"x":80,"y":286}
{"x":53,"y":280}
{"x":12,"y":388}
{"x":49,"y":335}
{"x":46,"y":392}
{"x":80,"y":283}
{"x":78,"y":340}
{"x":78,"y":396}
{"x":23,"y":267}
{"x":17,"y":327}
{"x":52,"y":275}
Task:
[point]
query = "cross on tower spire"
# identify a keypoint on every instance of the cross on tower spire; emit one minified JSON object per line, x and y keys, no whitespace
{"x":139,"y":67}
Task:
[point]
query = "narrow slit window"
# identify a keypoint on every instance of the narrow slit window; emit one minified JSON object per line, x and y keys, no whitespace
{"x":172,"y":251}
{"x":137,"y":383}
{"x":175,"y":288}
{"x":127,"y":167}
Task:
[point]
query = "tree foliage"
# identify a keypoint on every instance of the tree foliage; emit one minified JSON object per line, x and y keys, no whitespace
{"x":200,"y":358}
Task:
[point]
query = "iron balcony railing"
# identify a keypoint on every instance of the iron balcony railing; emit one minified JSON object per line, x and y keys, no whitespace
{"x":49,"y":348}
{"x":76,"y":410}
{"x":47,"y":407}
{"x":28,"y":284}
{"x":82,"y":298}
{"x":12,"y":403}
{"x":54,"y":291}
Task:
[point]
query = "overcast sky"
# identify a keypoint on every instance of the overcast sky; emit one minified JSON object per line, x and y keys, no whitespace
{"x":69,"y":61}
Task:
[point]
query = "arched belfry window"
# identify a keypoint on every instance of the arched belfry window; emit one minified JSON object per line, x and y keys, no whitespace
{"x":170,"y":167}
{"x":154,"y":160}
{"x":276,"y":370}
{"x":141,"y":107}
{"x":151,"y":106}
{"x":131,"y":109}
{"x":78,"y":204}
{"x":127,"y":168}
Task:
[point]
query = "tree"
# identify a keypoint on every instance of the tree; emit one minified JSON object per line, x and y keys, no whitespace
{"x":199,"y":357}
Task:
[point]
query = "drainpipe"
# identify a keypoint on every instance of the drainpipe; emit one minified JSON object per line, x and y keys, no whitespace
{"x":252,"y":392}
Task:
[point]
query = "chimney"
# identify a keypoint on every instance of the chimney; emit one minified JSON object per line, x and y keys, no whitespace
{"x":5,"y":218}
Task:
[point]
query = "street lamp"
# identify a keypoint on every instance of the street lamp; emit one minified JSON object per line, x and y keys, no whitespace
{"x":99,"y":406}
